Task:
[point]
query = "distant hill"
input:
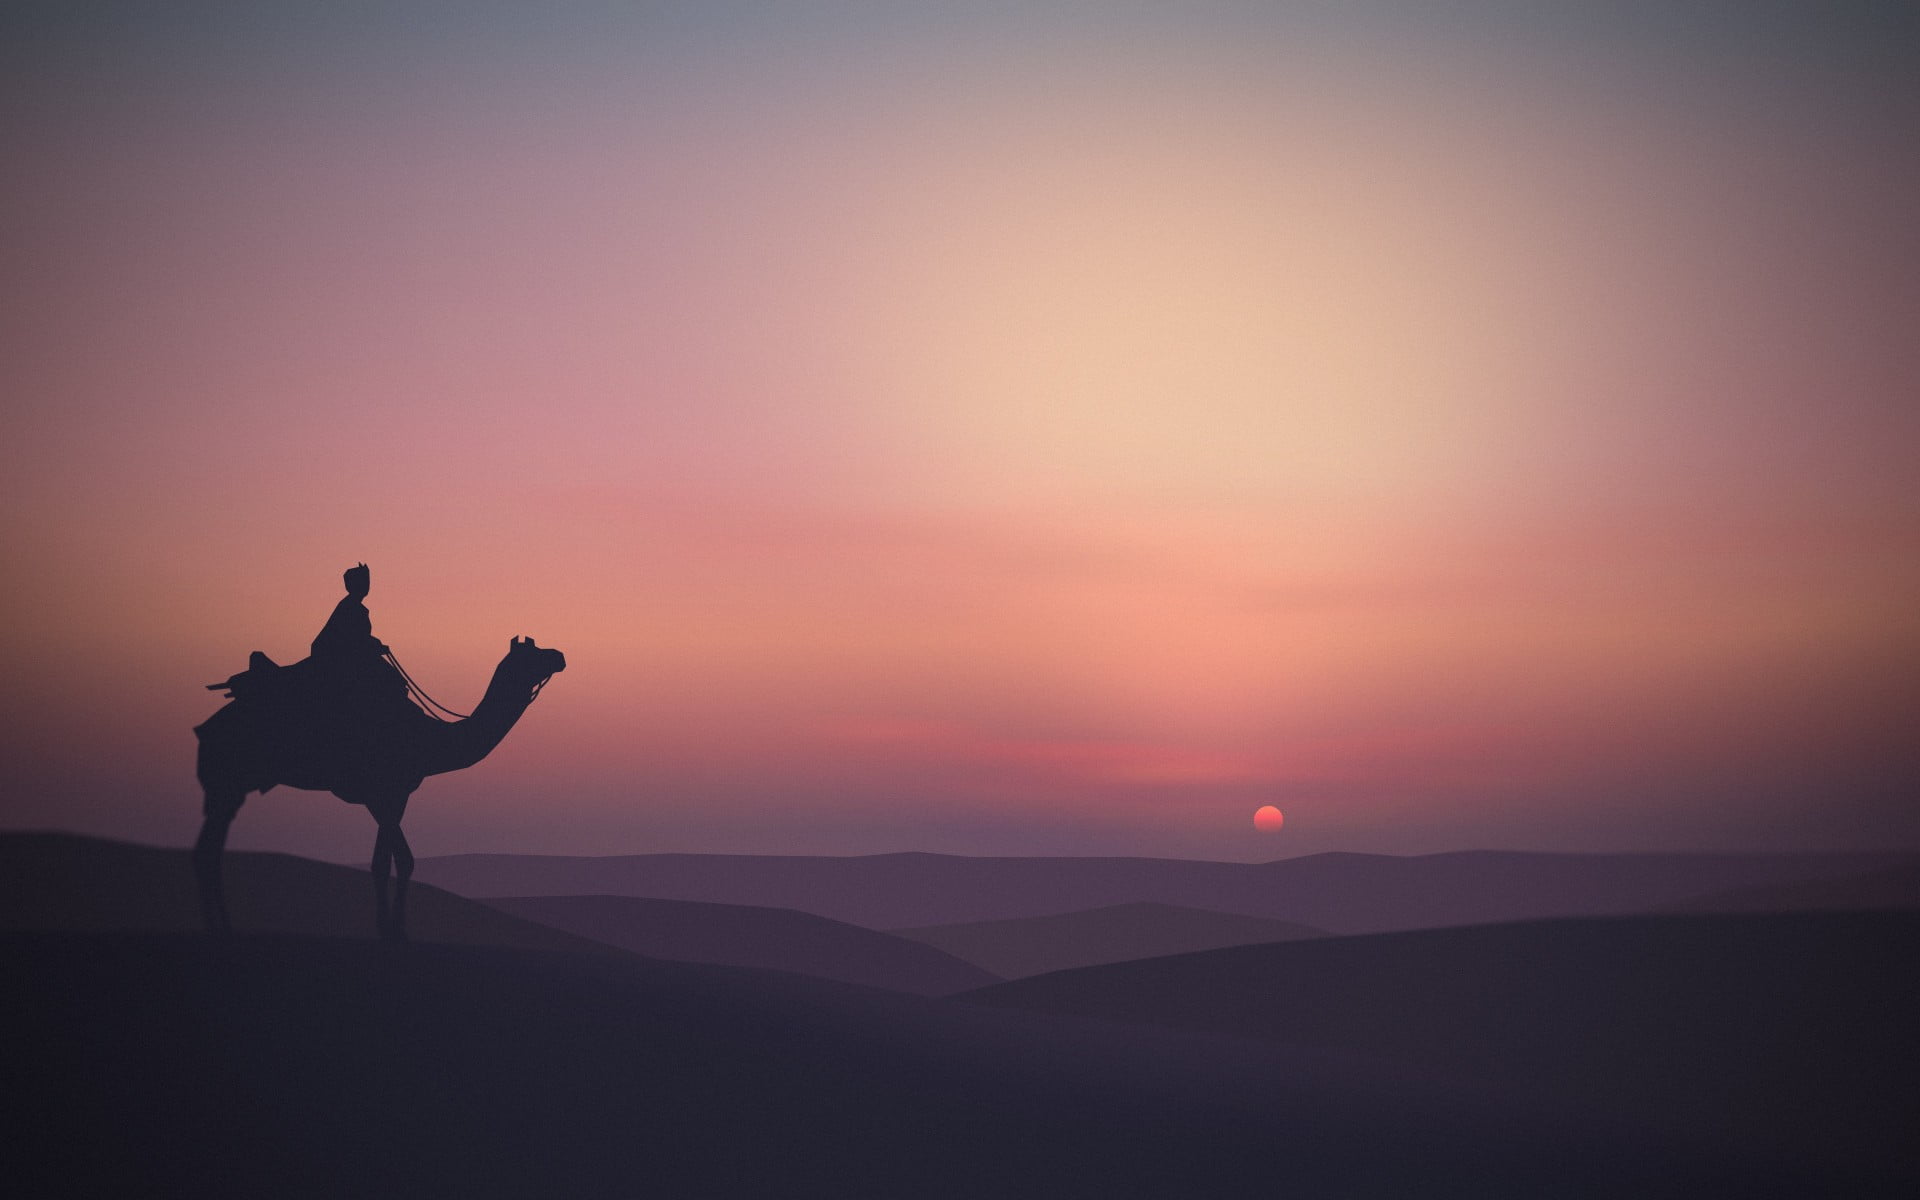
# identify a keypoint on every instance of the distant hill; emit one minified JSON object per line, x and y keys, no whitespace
{"x":1893,"y":888}
{"x":175,"y":1065}
{"x":1036,"y":945}
{"x":1790,"y":1030}
{"x":747,"y":936}
{"x":1341,"y":893}
{"x":60,"y":881}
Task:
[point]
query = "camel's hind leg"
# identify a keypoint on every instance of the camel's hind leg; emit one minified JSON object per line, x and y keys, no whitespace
{"x":208,"y":851}
{"x":391,"y":856}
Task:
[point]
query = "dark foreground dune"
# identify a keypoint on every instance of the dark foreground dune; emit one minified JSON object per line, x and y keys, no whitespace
{"x":1035,"y":945}
{"x":1790,"y":1033}
{"x":174,"y":1065}
{"x":739,"y":935}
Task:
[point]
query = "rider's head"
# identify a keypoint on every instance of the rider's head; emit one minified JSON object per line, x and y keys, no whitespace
{"x":358,"y":581}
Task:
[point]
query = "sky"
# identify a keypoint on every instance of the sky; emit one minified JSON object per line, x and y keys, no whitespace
{"x":984,"y":428}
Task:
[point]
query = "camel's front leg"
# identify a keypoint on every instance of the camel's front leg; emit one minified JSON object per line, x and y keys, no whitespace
{"x":390,"y":850}
{"x":208,"y":852}
{"x":403,"y":871}
{"x":382,"y":866}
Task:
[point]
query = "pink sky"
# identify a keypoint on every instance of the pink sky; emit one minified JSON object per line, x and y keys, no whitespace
{"x":993,"y":445}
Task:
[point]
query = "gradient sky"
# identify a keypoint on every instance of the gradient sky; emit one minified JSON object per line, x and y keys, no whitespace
{"x":983,"y":428}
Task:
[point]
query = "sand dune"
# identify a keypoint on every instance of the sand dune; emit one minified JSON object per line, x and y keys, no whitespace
{"x":1341,"y":893}
{"x":1035,"y":945}
{"x":1790,"y":1031}
{"x":1891,"y":888}
{"x":156,"y":1064}
{"x":748,"y":936}
{"x":59,"y":881}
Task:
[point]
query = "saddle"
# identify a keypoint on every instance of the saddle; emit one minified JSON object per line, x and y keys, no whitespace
{"x":259,"y":676}
{"x":313,"y":685}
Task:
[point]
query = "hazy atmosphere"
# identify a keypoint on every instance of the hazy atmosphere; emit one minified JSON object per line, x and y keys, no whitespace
{"x":981,"y":428}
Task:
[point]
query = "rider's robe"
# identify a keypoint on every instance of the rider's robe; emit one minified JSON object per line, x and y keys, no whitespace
{"x":348,"y":632}
{"x":348,"y":661}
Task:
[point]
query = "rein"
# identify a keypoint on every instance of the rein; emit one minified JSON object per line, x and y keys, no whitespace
{"x":428,"y":704}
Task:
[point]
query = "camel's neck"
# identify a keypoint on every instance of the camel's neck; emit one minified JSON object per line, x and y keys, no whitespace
{"x":460,"y":744}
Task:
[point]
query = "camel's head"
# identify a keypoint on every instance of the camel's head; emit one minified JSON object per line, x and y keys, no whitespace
{"x":537,"y":663}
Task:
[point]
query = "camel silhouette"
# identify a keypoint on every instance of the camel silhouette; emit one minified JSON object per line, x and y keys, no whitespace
{"x":281,"y":729}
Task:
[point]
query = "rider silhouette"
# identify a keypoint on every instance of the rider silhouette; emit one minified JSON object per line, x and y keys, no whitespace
{"x":348,"y":633}
{"x":347,"y":683}
{"x":346,"y":657}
